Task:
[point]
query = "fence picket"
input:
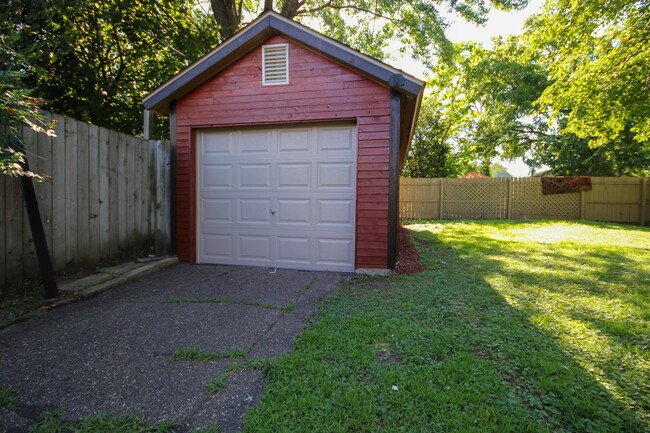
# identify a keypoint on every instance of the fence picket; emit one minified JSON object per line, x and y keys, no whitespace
{"x":93,"y":194}
{"x":59,"y":208}
{"x":103,"y":180}
{"x":30,"y":267}
{"x":71,"y":144}
{"x":113,"y":194}
{"x":44,"y":189}
{"x":3,"y":227}
{"x":13,"y":230}
{"x":121,"y":197}
{"x":129,"y":202}
{"x":83,"y":204}
{"x":137,"y":189}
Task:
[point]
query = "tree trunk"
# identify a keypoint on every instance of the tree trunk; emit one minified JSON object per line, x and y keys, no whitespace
{"x":227,"y":17}
{"x":290,"y":8}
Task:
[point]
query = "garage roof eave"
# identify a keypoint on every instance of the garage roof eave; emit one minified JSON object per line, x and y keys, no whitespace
{"x":267,"y":24}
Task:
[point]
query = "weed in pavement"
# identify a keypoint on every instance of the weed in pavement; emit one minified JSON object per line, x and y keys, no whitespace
{"x":216,"y":384}
{"x":8,"y":397}
{"x":194,"y":354}
{"x":209,"y":429}
{"x":285,"y":309}
{"x":53,"y":421}
{"x":261,"y":364}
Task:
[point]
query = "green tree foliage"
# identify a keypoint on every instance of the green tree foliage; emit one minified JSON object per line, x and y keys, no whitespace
{"x":368,"y":25}
{"x":96,"y":60}
{"x":431,"y":155}
{"x":498,"y":170}
{"x":572,"y":93}
{"x":482,"y":104}
{"x":569,"y":155}
{"x":597,"y":54}
{"x":18,"y":109}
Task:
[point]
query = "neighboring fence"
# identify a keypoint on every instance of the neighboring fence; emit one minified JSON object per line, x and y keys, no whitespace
{"x":109,"y":197}
{"x":616,"y":199}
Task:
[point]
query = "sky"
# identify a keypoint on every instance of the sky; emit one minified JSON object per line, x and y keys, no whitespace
{"x":499,"y":24}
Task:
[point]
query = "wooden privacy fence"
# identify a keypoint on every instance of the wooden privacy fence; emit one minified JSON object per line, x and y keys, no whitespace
{"x":109,"y":197}
{"x":615,"y":199}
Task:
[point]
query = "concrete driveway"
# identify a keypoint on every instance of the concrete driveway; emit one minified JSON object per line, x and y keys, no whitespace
{"x":112,"y":353}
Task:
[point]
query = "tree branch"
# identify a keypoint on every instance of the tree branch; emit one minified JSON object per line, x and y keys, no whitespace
{"x":330,"y":4}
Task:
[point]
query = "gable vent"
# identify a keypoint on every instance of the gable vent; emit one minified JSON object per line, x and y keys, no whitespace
{"x":275,"y":64}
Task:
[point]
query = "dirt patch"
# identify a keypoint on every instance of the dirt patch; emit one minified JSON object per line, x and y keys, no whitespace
{"x":409,"y":259}
{"x":385,"y":355}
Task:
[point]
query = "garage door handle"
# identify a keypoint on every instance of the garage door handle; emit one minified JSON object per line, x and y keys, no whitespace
{"x":272,"y":211}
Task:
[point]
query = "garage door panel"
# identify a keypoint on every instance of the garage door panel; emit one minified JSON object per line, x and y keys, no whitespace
{"x":217,"y":210}
{"x":286,"y":200}
{"x":254,"y":247}
{"x":336,"y":175}
{"x":217,"y":246}
{"x":257,"y":211}
{"x":334,"y":251}
{"x":294,"y":211}
{"x":294,"y":140}
{"x":336,"y":212}
{"x":335,"y":139}
{"x":294,"y":175}
{"x":217,"y":144}
{"x":294,"y":250}
{"x":255,"y":142}
{"x":217,"y":176}
{"x":256,"y":176}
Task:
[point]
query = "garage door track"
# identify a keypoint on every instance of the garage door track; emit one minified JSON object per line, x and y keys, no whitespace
{"x":176,"y":345}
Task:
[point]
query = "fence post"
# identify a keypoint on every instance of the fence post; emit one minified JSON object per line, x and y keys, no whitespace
{"x":442,"y":190}
{"x":509,"y":199}
{"x":644,"y":199}
{"x":582,"y":205}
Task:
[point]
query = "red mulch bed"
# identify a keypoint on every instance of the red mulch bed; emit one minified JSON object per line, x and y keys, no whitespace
{"x":409,"y":259}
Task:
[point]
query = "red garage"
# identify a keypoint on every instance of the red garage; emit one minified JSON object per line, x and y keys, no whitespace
{"x":288,"y":151}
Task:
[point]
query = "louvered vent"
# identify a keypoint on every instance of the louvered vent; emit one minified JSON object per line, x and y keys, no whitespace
{"x":275,"y":64}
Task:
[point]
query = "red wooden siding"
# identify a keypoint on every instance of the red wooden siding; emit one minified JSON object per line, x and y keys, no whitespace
{"x":318,"y":90}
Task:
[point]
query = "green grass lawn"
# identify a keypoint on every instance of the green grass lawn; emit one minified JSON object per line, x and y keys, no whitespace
{"x":512,"y":327}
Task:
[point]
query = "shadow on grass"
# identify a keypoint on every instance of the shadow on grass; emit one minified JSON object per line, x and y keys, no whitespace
{"x":535,"y":303}
{"x":465,"y":346}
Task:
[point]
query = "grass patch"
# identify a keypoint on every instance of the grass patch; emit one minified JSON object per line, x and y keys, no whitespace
{"x":8,"y":397}
{"x":254,"y":303}
{"x":216,"y":384}
{"x":194,"y":354}
{"x":512,"y":327}
{"x":259,"y":304}
{"x":19,"y":300}
{"x":288,"y":308}
{"x":261,"y":364}
{"x":55,"y":422}
{"x":200,"y":301}
{"x":209,"y":429}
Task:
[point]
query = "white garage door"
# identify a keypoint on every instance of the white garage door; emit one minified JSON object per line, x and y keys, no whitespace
{"x":277,"y":197}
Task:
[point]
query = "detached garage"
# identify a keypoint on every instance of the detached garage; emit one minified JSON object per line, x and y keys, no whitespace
{"x":288,"y":150}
